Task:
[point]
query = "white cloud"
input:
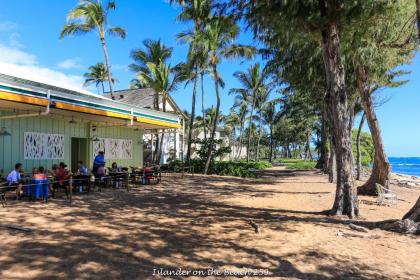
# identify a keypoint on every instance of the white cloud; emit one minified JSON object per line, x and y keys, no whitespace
{"x":70,"y":63}
{"x":14,"y":55}
{"x":18,"y":63}
{"x":7,"y":26}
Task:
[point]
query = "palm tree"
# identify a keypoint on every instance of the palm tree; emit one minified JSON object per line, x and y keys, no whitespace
{"x":216,"y":40}
{"x":240,"y":103}
{"x":163,"y":79}
{"x":253,"y":81}
{"x":270,"y":117}
{"x":231,"y":123}
{"x":262,"y":99}
{"x":154,"y":52}
{"x":92,"y":15}
{"x":97,"y":75}
{"x":197,"y":11}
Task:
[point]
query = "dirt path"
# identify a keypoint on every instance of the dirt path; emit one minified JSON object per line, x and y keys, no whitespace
{"x":203,"y":223}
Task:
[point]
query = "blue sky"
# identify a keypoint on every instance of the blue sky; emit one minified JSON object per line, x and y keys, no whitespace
{"x":29,"y":36}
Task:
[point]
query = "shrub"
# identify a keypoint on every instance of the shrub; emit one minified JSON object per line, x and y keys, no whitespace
{"x":302,"y":165}
{"x":227,"y":168}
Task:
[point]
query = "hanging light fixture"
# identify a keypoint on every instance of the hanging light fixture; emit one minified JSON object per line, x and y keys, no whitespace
{"x":4,"y":132}
{"x":72,"y":121}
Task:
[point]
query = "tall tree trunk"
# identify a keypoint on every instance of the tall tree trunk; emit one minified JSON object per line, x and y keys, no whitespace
{"x":346,"y":195}
{"x":241,"y":135}
{"x":359,"y":155}
{"x":158,"y":140}
{"x":248,"y":147}
{"x":381,"y":171}
{"x":191,"y":126}
{"x":332,"y":164}
{"x":418,"y":16}
{"x":308,"y":145}
{"x":414,"y":213}
{"x":271,"y":143}
{"x":159,"y":156}
{"x":103,"y":87}
{"x":202,"y":105}
{"x":259,"y":137}
{"x":324,"y":151}
{"x":213,"y":132}
{"x":108,"y":65}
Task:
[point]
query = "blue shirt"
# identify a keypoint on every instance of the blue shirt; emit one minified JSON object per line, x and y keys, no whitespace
{"x":83,"y":170}
{"x":13,"y":177}
{"x":99,"y":160}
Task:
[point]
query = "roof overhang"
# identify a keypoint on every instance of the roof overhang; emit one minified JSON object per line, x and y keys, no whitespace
{"x":21,"y":94}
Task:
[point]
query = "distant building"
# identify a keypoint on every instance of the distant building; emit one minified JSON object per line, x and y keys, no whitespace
{"x":221,"y":133}
{"x":173,"y":141}
{"x":44,"y":122}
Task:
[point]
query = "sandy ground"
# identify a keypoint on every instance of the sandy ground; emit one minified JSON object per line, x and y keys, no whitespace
{"x":202,"y":223}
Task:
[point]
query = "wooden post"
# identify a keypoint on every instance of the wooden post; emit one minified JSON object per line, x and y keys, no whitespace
{"x":127,"y":181}
{"x":71,"y":189}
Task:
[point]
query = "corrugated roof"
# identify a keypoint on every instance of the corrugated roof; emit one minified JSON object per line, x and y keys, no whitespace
{"x":141,"y":97}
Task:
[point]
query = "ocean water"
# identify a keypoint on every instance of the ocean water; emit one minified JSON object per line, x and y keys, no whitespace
{"x":406,"y":165}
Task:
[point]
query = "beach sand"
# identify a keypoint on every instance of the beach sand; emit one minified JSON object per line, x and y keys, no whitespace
{"x":202,"y":222}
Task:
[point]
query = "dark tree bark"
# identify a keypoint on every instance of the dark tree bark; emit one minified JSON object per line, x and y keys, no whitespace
{"x":346,"y":195}
{"x":332,"y":166}
{"x":239,"y":152}
{"x":359,"y":155}
{"x":248,"y":147}
{"x":202,"y":105}
{"x":410,"y":223}
{"x":418,"y":16}
{"x":381,"y":171}
{"x":308,"y":148}
{"x":271,"y":144}
{"x":414,"y":213}
{"x":192,"y":117}
{"x":216,"y":118}
{"x":259,"y":136}
{"x":324,"y":151}
{"x":159,"y":154}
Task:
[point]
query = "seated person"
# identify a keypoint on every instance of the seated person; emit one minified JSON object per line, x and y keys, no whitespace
{"x":14,"y":180}
{"x":148,"y":173}
{"x":81,"y":168}
{"x":61,"y":176}
{"x":53,"y":169}
{"x":117,"y":178}
{"x":34,"y":171}
{"x":40,"y":175}
{"x":115,"y":167}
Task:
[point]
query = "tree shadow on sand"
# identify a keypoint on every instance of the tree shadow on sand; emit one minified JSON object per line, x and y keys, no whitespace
{"x":164,"y":226}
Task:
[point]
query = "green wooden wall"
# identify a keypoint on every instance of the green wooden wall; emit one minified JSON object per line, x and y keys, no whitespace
{"x":12,"y":150}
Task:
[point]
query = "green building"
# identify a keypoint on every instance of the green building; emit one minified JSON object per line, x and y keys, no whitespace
{"x":42,"y":124}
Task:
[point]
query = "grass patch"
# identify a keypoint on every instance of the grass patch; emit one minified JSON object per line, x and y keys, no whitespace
{"x":298,"y":164}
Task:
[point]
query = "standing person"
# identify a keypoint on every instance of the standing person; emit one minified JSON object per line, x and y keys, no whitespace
{"x":13,"y":179}
{"x":99,"y":161}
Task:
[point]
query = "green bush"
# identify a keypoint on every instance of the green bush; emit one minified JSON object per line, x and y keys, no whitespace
{"x":227,"y":168}
{"x":302,"y":165}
